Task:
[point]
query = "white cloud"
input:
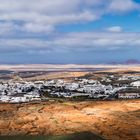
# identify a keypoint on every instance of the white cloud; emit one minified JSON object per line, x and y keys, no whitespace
{"x":37,"y":28}
{"x":7,"y":28}
{"x":98,"y":39}
{"x":123,"y":5}
{"x":44,"y":15}
{"x":72,"y":42}
{"x":114,"y":29}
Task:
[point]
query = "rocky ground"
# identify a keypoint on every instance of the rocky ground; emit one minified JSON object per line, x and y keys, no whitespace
{"x":114,"y":120}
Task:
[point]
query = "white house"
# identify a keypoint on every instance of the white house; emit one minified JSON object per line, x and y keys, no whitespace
{"x":135,"y":84}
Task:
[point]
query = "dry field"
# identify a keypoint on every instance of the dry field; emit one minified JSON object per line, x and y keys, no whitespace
{"x":45,"y":72}
{"x":57,"y":75}
{"x":68,"y":67}
{"x":112,"y":120}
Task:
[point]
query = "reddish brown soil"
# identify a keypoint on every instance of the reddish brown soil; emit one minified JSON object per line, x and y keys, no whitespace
{"x":114,"y":120}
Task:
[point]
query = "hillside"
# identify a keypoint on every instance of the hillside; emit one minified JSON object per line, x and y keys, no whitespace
{"x":117,"y":120}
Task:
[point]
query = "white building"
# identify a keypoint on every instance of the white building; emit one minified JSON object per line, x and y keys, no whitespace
{"x":135,"y":84}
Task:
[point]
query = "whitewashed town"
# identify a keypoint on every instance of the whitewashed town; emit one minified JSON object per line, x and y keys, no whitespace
{"x":108,"y":87}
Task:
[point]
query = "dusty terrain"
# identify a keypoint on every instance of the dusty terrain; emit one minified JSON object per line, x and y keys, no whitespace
{"x":69,"y":67}
{"x":49,"y":71}
{"x":114,"y":120}
{"x":57,"y":75}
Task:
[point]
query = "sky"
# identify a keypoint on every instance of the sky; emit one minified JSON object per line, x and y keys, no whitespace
{"x":69,"y":32}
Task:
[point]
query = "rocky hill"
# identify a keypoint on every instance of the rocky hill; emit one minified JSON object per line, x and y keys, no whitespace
{"x":114,"y":120}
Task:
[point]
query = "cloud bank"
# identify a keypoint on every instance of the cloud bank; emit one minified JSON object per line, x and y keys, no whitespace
{"x":31,"y":26}
{"x":44,"y":15}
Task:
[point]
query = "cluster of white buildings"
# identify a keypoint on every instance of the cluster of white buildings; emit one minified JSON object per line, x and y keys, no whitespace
{"x":16,"y":92}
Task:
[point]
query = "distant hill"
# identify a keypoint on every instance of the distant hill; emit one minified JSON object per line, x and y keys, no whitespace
{"x":127,"y":62}
{"x":132,"y":61}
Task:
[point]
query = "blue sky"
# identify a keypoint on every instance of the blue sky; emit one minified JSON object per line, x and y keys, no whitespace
{"x":63,"y":31}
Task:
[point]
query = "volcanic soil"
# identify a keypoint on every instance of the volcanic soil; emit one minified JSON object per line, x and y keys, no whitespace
{"x":112,"y":120}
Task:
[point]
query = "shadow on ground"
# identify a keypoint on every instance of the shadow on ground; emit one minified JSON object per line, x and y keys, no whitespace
{"x":76,"y":136}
